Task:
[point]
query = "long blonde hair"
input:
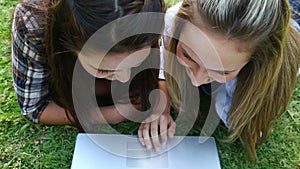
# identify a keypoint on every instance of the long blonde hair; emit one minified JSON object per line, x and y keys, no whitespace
{"x":266,"y":83}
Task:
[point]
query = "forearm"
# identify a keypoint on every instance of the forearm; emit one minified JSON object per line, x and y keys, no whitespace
{"x":112,"y":115}
{"x":53,"y":114}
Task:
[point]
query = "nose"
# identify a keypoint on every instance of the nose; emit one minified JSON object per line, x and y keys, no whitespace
{"x":123,"y":75}
{"x":209,"y":79}
{"x":203,"y":76}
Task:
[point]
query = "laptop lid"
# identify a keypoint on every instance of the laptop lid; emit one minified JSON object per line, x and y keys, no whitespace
{"x":117,"y":151}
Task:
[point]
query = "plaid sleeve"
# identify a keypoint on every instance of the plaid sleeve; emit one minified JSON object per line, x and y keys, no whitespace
{"x":29,"y":61}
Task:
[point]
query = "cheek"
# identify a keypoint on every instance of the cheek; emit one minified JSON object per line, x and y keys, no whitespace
{"x":182,"y":62}
{"x":123,"y":76}
{"x":185,"y":61}
{"x":180,"y":57}
{"x":89,"y":69}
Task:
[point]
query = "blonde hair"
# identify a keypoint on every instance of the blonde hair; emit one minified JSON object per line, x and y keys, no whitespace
{"x":266,"y":83}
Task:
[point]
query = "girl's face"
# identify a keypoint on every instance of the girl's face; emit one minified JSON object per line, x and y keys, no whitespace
{"x":217,"y":59}
{"x":114,"y":66}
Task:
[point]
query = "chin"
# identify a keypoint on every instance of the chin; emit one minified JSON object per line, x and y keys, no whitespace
{"x":197,"y":84}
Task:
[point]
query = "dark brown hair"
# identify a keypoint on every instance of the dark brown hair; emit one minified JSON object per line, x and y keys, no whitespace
{"x":70,"y":23}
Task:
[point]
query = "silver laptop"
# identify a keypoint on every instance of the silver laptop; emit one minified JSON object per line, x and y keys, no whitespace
{"x":117,"y":151}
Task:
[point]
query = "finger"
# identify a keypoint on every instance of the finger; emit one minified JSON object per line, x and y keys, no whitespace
{"x":146,"y":136}
{"x":163,"y":124}
{"x":172,"y":128}
{"x":154,"y":135}
{"x":140,"y":134}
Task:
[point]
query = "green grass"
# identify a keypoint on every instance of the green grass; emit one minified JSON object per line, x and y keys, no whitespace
{"x":27,"y":145}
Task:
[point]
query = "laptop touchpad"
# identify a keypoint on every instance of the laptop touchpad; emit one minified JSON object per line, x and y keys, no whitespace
{"x":139,"y":157}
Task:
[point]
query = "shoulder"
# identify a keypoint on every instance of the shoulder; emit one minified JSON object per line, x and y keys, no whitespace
{"x":296,"y":25}
{"x":171,"y":13}
{"x":175,"y":8}
{"x":28,"y":29}
{"x":39,"y":4}
{"x":169,"y":21}
{"x":30,"y":13}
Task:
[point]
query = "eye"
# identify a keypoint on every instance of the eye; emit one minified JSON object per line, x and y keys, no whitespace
{"x":223,"y":73}
{"x":103,"y":71}
{"x":187,"y":56}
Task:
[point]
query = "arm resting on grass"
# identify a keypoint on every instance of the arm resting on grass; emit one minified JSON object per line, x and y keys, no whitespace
{"x":53,"y":114}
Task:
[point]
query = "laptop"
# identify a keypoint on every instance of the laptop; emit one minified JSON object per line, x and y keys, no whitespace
{"x":117,"y":151}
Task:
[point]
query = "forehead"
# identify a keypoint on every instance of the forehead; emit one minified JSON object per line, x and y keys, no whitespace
{"x":214,"y":49}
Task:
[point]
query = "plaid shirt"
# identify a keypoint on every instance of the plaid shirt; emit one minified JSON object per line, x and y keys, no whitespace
{"x":31,"y":72}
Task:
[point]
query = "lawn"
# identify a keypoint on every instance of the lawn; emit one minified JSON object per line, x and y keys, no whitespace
{"x":27,"y":145}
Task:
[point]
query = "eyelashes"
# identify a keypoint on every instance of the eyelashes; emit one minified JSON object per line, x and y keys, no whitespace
{"x":105,"y":72}
{"x":187,"y":56}
{"x":223,"y":73}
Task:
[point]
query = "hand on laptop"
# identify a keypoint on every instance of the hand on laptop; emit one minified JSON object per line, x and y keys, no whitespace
{"x":148,"y":133}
